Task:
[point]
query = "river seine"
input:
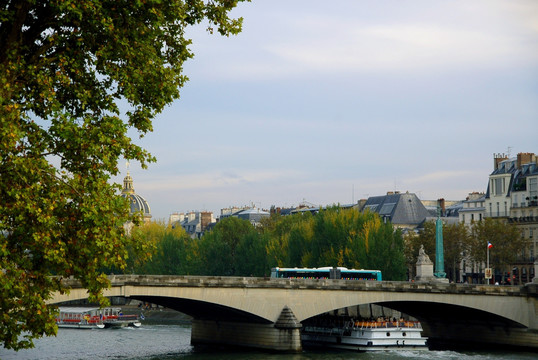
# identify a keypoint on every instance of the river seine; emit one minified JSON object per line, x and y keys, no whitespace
{"x":172,"y":342}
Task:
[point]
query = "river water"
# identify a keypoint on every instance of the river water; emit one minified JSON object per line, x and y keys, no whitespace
{"x":172,"y":342}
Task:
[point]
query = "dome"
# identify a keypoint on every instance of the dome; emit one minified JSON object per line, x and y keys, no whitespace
{"x":138,"y":203}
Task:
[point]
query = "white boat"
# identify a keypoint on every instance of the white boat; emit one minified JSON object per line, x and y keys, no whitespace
{"x":366,"y":335}
{"x":79,"y":318}
{"x":94,"y":318}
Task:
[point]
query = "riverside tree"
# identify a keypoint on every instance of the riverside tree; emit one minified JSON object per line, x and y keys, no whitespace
{"x":507,"y":241}
{"x":65,"y":66}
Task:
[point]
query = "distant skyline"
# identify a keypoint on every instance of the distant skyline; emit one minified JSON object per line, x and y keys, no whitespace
{"x":333,"y":102}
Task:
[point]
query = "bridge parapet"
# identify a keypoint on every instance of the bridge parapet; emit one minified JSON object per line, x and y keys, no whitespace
{"x":530,"y":289}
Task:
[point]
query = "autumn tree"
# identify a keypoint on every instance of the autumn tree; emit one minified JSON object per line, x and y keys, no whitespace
{"x":455,"y":243}
{"x":339,"y":237}
{"x":506,"y":239}
{"x":413,"y":241}
{"x":218,"y":248}
{"x":456,"y":239}
{"x":65,"y":67}
{"x":170,"y":253}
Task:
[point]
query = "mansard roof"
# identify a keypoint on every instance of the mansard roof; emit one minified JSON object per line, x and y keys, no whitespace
{"x":400,"y":208}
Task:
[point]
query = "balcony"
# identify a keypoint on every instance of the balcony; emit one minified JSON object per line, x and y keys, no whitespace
{"x":523,"y":219}
{"x":497,"y":214}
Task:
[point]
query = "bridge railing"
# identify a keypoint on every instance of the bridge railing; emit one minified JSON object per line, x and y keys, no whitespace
{"x":329,"y":284}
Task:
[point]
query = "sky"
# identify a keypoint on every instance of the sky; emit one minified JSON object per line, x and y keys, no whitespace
{"x":329,"y":102}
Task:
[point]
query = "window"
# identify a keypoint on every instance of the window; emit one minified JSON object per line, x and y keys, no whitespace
{"x":533,"y":188}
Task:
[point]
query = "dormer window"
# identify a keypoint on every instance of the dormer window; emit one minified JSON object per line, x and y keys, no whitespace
{"x":498,"y":186}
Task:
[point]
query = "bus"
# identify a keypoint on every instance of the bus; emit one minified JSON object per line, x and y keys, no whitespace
{"x":326,"y":273}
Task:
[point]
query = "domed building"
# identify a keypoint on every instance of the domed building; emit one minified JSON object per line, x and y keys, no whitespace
{"x":137,"y":202}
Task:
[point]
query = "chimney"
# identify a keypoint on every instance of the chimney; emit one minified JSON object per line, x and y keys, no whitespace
{"x":497,"y":158}
{"x":525,"y":158}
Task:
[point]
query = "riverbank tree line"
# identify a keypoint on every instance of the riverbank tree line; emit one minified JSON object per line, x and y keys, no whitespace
{"x":332,"y":237}
{"x":234,"y":247}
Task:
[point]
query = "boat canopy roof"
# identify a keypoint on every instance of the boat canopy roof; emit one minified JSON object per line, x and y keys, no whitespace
{"x":77,"y":310}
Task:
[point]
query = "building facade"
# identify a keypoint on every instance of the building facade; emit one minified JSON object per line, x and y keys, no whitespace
{"x":473,"y":208}
{"x":512,"y":196}
{"x":195,"y":223}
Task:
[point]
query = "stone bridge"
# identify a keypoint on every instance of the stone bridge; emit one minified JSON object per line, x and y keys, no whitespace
{"x":267,"y":313}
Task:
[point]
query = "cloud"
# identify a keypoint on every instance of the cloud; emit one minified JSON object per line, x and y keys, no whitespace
{"x":211,"y":180}
{"x":433,"y":38}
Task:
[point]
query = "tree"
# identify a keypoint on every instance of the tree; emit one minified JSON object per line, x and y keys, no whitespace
{"x":218,"y":248}
{"x":506,"y":239}
{"x":65,"y":66}
{"x":413,"y":241}
{"x":251,"y":255}
{"x":338,"y":237}
{"x":170,"y":251}
{"x":455,"y":241}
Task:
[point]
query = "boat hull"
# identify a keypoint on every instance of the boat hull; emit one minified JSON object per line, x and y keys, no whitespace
{"x":81,"y":326}
{"x":365,"y":339}
{"x":120,"y":324}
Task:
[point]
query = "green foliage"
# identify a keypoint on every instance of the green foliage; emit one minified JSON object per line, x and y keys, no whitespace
{"x":333,"y":237}
{"x":251,"y":255}
{"x":168,"y":253}
{"x":460,"y":241}
{"x":221,"y":248}
{"x":456,"y":239}
{"x":64,"y":68}
{"x":338,"y":237}
{"x":506,"y":239}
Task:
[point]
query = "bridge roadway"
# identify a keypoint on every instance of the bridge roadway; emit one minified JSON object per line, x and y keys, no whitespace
{"x":267,"y":313}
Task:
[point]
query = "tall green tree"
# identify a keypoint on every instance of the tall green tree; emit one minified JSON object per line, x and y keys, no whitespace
{"x":339,"y":237}
{"x":456,"y":239}
{"x":506,"y":239}
{"x":251,"y":255}
{"x":455,"y":242}
{"x":170,"y":251}
{"x":65,"y":66}
{"x":218,"y":248}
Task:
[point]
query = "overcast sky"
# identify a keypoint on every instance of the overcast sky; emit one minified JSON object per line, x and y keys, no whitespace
{"x":332,"y":101}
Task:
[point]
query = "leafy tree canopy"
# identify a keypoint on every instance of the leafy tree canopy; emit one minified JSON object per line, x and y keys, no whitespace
{"x":65,"y":66}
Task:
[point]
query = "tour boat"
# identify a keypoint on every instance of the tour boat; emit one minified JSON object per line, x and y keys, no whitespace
{"x":94,"y":318}
{"x":366,"y":335}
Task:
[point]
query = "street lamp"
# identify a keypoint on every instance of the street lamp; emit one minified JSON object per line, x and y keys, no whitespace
{"x":487,"y":273}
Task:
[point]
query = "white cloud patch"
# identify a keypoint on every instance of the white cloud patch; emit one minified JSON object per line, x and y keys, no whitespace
{"x":439,"y":36}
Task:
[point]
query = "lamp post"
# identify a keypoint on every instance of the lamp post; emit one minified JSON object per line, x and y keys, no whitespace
{"x":487,"y":272}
